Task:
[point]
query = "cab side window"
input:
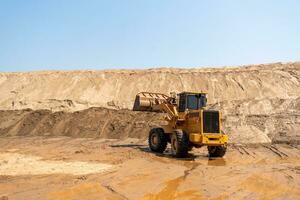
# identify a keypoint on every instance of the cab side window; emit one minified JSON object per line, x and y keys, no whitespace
{"x":203,"y":101}
{"x":182,"y":104}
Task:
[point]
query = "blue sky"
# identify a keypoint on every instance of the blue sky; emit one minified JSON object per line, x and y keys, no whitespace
{"x":105,"y":34}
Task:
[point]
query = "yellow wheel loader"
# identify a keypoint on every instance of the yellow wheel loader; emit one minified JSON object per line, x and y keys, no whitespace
{"x":189,"y":123}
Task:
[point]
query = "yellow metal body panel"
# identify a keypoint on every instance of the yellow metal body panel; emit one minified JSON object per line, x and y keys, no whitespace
{"x":191,"y":123}
{"x":195,"y":137}
{"x":212,"y":139}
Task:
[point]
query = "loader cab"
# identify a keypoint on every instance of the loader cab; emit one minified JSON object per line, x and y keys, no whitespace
{"x":191,"y":101}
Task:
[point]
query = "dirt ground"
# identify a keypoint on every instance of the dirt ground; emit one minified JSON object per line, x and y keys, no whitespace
{"x":88,"y":168}
{"x":73,"y":135}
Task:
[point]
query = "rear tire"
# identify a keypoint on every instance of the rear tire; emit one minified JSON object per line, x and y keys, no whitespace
{"x":157,"y":140}
{"x":179,"y":144}
{"x":216,"y":151}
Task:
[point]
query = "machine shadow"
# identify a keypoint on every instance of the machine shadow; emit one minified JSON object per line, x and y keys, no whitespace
{"x":166,"y":154}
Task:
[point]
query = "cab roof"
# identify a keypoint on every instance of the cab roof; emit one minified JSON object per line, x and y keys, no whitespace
{"x":186,"y":92}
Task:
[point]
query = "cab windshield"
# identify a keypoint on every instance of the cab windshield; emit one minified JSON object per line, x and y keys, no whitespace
{"x":196,"y":101}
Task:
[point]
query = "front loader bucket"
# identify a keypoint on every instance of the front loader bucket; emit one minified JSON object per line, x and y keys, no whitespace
{"x":146,"y":101}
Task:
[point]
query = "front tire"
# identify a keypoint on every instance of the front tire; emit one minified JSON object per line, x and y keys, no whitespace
{"x":216,"y":151}
{"x":179,"y":144}
{"x":157,"y":140}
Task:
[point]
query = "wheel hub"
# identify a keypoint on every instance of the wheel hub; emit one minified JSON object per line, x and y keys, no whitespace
{"x":154,"y":140}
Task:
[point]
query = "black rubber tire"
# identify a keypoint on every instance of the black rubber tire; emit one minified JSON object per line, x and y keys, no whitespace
{"x":182,"y":144}
{"x":216,"y":151}
{"x":162,"y":142}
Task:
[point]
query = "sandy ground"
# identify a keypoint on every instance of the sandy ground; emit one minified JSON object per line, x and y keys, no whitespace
{"x":15,"y":164}
{"x":260,"y":104}
{"x":87,"y":168}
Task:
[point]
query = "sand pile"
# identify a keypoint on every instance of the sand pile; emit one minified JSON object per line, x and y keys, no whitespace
{"x":261,"y":103}
{"x":93,"y":122}
{"x":121,"y":124}
{"x":77,"y":90}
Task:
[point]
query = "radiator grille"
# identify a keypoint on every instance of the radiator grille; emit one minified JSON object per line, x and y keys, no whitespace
{"x":211,"y":121}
